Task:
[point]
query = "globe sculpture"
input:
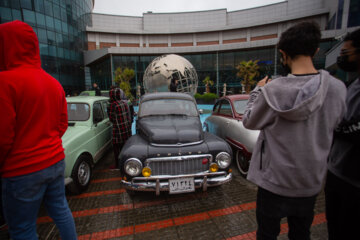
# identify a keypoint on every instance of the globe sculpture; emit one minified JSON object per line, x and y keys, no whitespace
{"x":167,"y":68}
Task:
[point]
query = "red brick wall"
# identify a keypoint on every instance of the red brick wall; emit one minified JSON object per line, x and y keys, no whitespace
{"x":263,"y":37}
{"x":91,"y":46}
{"x":129,"y":45}
{"x":158,"y":45}
{"x":107,"y":45}
{"x":207,"y":43}
{"x":185,"y":44}
{"x":234,"y":40}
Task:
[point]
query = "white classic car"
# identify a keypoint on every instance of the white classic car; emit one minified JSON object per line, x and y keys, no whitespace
{"x":86,"y":140}
{"x":226,"y":122}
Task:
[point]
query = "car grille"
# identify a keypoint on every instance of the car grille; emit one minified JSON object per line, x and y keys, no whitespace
{"x":179,"y":165}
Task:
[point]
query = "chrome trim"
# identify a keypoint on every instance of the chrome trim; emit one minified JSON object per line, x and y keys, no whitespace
{"x":177,"y":144}
{"x":222,"y":153}
{"x":133,"y":159}
{"x":154,"y":184}
{"x":177,"y":158}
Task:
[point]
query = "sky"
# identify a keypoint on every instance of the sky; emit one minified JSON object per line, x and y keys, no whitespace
{"x":138,"y":7}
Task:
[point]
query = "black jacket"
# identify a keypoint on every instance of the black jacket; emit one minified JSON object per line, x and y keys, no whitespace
{"x":344,"y":160}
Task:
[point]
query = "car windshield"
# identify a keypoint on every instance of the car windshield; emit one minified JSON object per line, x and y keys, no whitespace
{"x":168,"y":107}
{"x":78,"y":111}
{"x":240,"y":106}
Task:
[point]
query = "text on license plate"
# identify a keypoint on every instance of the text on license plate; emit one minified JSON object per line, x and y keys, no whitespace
{"x":181,"y":185}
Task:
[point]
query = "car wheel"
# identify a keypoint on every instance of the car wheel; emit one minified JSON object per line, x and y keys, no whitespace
{"x":81,"y":175}
{"x":242,"y":163}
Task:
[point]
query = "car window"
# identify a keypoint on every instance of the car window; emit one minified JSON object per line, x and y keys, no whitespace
{"x":84,"y":94}
{"x":216,"y":107}
{"x":168,"y":106}
{"x":240,"y":106}
{"x":97,"y":113}
{"x":78,"y":111}
{"x":225,"y":108}
{"x":105,"y":105}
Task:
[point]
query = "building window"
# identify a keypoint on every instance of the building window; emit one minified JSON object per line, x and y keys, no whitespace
{"x":40,"y":20}
{"x":331,"y":23}
{"x":26,"y":4}
{"x":39,"y":6}
{"x":5,"y":14}
{"x":339,"y":14}
{"x":16,"y":15}
{"x":354,"y":13}
{"x":29,"y":17}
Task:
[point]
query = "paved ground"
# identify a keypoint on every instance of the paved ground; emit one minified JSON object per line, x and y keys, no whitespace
{"x":106,"y":211}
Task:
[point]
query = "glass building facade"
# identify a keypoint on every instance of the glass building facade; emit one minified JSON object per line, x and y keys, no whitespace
{"x":61,"y":28}
{"x":219,"y":66}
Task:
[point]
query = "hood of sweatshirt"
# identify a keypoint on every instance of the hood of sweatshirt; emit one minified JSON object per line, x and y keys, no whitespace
{"x":304,"y":95}
{"x":19,"y":46}
{"x":117,"y":94}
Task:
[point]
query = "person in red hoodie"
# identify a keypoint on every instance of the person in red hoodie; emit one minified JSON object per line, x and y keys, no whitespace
{"x":33,"y":120}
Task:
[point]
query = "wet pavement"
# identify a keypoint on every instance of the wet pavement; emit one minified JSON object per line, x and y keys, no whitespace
{"x":106,"y":211}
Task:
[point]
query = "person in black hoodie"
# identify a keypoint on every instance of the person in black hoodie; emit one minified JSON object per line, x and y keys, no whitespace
{"x":342,"y":190}
{"x":97,"y":89}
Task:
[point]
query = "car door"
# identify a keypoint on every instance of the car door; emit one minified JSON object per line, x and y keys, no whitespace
{"x":225,"y":118}
{"x":101,"y":126}
{"x":108,"y":131}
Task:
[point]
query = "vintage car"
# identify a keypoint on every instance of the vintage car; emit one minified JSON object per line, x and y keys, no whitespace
{"x":170,"y":152}
{"x":225,"y":122}
{"x":85,"y":141}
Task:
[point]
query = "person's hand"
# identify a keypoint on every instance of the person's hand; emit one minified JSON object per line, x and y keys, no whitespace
{"x":263,"y":81}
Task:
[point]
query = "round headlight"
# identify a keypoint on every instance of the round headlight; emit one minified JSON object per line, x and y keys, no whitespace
{"x":133,"y":167}
{"x":223,"y":159}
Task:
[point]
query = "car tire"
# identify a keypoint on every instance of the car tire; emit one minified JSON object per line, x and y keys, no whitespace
{"x":242,"y":163}
{"x":81,"y":175}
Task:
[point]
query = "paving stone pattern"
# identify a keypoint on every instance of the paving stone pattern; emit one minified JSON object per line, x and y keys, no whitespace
{"x":106,"y":211}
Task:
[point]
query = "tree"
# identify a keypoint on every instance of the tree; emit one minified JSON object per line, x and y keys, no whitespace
{"x":208,"y":83}
{"x":122,"y":78}
{"x":248,"y":71}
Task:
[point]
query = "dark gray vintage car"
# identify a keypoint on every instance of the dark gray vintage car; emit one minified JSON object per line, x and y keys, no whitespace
{"x":170,"y":152}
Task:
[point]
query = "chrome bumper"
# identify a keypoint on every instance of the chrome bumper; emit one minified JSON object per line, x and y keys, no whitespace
{"x":161,"y":183}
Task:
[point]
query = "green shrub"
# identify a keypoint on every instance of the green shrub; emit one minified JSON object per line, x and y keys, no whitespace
{"x":198,"y":96}
{"x":209,"y":97}
{"x":206,"y":98}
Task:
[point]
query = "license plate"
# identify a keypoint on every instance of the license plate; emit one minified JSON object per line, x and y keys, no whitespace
{"x":181,"y":185}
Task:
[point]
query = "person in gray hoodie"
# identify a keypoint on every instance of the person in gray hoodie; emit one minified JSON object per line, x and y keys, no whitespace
{"x":297,"y":115}
{"x":342,"y":189}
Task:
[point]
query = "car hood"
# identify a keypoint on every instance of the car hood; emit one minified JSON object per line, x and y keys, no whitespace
{"x":170,"y":129}
{"x":71,"y":133}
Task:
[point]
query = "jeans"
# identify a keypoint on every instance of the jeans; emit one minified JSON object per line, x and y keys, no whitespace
{"x":271,"y":208}
{"x":342,"y":208}
{"x":23,"y":195}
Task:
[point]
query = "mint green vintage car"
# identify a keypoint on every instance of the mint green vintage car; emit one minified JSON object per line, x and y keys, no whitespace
{"x":86,"y":140}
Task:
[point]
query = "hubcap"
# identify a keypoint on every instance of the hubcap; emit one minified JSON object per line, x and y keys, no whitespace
{"x":84,"y":173}
{"x":242,"y":163}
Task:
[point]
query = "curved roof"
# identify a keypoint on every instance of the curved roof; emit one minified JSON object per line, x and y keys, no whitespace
{"x":164,"y":95}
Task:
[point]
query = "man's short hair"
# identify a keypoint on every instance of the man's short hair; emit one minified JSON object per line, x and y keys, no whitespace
{"x":355,"y":38}
{"x":301,"y":39}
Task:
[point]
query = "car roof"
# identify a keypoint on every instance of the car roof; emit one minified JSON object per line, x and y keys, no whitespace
{"x":237,"y":97}
{"x":163,"y":95}
{"x":85,"y":99}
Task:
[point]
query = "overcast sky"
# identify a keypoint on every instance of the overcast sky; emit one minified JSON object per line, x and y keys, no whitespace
{"x":138,"y":7}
